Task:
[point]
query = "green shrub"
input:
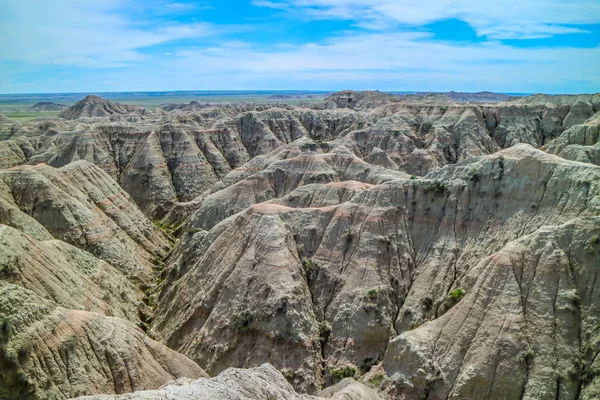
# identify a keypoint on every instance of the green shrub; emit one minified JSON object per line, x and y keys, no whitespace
{"x":347,"y":371}
{"x":440,"y":186}
{"x":457,"y":295}
{"x":372,"y":294}
{"x":453,"y":298}
{"x":473,"y":175}
{"x":324,"y":331}
{"x":309,"y":266}
{"x":243,"y":321}
{"x":376,"y":380}
{"x":433,"y":186}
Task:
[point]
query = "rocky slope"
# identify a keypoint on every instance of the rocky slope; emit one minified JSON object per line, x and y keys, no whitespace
{"x":76,"y":256}
{"x":182,"y":155}
{"x":423,"y":247}
{"x":49,"y":352}
{"x":95,"y":106}
{"x":8,"y":127}
{"x":260,"y":383}
{"x":579,"y":142}
{"x":329,"y":286}
{"x":81,"y":205}
{"x":478,"y":97}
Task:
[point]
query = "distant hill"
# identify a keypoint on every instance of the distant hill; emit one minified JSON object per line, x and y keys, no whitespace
{"x":285,"y":96}
{"x":47,"y":106}
{"x":481,"y":97}
{"x":94,"y":106}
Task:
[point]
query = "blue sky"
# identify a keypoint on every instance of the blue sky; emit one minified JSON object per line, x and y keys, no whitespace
{"x":550,"y":46}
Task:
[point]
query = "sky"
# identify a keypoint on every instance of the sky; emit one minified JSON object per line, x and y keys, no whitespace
{"x":512,"y":46}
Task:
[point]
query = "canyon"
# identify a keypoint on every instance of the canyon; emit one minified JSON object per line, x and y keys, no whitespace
{"x":366,"y":246}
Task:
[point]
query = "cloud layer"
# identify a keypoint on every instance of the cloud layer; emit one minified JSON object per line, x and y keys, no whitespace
{"x":86,"y":45}
{"x":497,"y":19}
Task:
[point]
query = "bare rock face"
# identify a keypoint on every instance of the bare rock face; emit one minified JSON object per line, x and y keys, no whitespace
{"x":424,"y":247}
{"x":530,"y":306}
{"x":478,"y":97}
{"x":69,"y":314}
{"x":162,"y":158}
{"x":331,"y":286}
{"x":259,"y":383}
{"x":71,"y":278}
{"x":580,"y":142}
{"x":48,"y":352}
{"x":8,"y":127}
{"x":94,"y":106}
{"x":282,"y":177}
{"x":76,"y":254}
{"x":81,"y":205}
{"x":360,"y":100}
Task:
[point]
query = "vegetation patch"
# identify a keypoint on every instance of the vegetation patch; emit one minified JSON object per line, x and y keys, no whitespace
{"x":309,"y":266}
{"x":377,"y":380}
{"x":473,"y":175}
{"x":243,"y":321}
{"x":456,"y":295}
{"x":452,"y":299}
{"x":347,"y":371}
{"x":324,"y":331}
{"x":372,"y":294}
{"x":167,"y":229}
{"x":432,"y":186}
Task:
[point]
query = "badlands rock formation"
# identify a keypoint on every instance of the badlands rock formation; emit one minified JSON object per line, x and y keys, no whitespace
{"x":47,"y":106}
{"x":369,"y":246}
{"x":49,"y":352}
{"x":94,"y":106}
{"x":579,"y":142}
{"x":8,"y":127}
{"x":479,"y":97}
{"x":181,"y":155}
{"x":263,"y":382}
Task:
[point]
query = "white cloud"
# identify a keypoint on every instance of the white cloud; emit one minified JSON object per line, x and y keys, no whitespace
{"x":413,"y":60}
{"x":81,"y":32}
{"x":92,"y":33}
{"x":497,"y":19}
